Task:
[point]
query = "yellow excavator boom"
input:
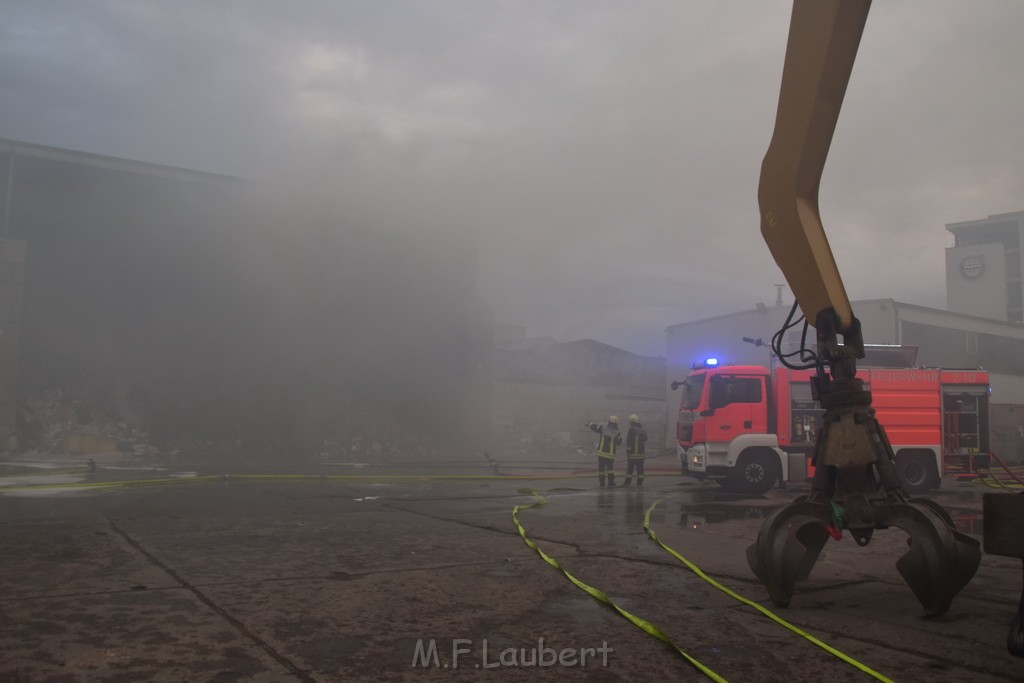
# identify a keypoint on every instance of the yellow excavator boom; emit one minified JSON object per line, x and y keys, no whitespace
{"x":823,"y":40}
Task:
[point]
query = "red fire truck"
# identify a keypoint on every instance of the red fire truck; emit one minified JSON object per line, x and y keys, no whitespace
{"x":748,"y":427}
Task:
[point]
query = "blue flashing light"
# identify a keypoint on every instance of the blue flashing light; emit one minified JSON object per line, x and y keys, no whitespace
{"x":711,"y":362}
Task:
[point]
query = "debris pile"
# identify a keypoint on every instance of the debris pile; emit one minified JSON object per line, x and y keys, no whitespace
{"x":517,"y":439}
{"x":59,"y":423}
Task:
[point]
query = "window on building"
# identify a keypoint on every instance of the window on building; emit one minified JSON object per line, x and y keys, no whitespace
{"x":1013,"y":264}
{"x":1013,"y":295}
{"x":1005,"y":232}
{"x":972,"y":342}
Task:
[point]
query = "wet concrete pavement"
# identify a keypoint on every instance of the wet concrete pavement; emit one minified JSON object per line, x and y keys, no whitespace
{"x":330,"y":579}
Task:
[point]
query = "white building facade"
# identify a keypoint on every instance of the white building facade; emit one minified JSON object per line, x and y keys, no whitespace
{"x":983,"y":267}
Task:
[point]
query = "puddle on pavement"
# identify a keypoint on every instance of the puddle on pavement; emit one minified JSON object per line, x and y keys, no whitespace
{"x":697,"y":517}
{"x":48,"y":481}
{"x":702,"y":507}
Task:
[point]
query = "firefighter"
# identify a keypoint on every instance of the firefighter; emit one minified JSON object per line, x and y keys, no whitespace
{"x":607,"y":443}
{"x":636,"y":451}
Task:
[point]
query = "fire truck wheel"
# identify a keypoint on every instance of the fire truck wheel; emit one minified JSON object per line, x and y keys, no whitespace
{"x":755,"y":472}
{"x":916,"y":472}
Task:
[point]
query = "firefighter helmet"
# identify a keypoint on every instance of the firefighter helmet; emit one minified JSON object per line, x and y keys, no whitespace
{"x":613,"y":419}
{"x":634,"y":418}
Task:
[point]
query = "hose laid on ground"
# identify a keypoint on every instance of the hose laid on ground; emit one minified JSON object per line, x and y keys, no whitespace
{"x":124,"y":483}
{"x":600,"y":596}
{"x":993,"y":481}
{"x":760,"y":608}
{"x":42,"y":472}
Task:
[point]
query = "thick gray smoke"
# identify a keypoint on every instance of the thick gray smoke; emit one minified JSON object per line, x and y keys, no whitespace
{"x":225,"y":313}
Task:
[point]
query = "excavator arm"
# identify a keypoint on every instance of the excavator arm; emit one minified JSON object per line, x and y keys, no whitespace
{"x":823,"y":40}
{"x":855,"y":486}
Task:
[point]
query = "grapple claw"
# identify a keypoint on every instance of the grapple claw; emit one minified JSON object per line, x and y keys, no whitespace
{"x":856,"y":487}
{"x":938,"y":564}
{"x":787,"y":547}
{"x":940,"y":560}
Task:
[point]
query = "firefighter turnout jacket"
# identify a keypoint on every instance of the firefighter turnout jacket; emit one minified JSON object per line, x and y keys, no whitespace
{"x":636,"y":441}
{"x":609,"y":441}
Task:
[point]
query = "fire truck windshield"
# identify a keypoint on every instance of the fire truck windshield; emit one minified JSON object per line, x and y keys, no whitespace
{"x":693,"y":387}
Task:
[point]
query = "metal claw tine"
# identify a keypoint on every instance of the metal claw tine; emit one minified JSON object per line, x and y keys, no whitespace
{"x":940,"y":560}
{"x":787,"y":548}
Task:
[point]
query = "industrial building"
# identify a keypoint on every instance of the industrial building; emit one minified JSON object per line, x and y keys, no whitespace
{"x":69,"y":270}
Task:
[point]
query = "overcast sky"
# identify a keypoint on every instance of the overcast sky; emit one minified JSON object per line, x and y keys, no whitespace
{"x":606,"y":152}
